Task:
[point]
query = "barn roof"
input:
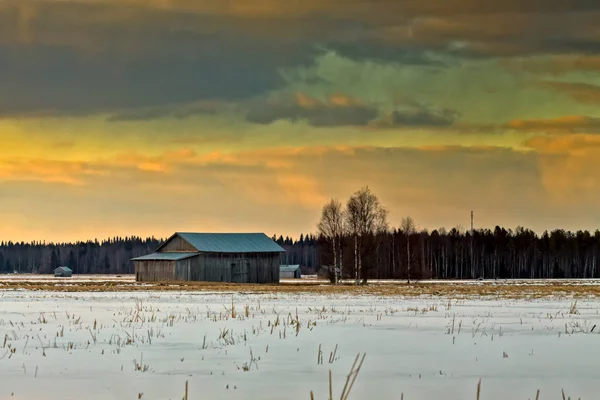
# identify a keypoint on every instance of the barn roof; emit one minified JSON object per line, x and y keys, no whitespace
{"x":230,"y":242}
{"x":165,"y":256}
{"x":288,"y":268}
{"x":63,"y":269}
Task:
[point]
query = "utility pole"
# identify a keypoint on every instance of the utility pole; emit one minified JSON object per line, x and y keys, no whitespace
{"x":472,"y":263}
{"x":471,"y":222}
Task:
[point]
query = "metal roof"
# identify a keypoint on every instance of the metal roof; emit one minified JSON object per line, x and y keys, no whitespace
{"x":288,"y":268}
{"x":168,"y":256}
{"x":66,"y":269}
{"x":231,"y":242}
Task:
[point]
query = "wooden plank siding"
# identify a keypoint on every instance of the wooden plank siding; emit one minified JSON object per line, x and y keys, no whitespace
{"x":188,"y":269}
{"x":154,"y":271}
{"x":251,"y":268}
{"x":176,"y":243}
{"x":213,"y":267}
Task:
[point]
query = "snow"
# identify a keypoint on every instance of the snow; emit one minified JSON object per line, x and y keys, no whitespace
{"x":426,"y":348}
{"x":130,"y":280}
{"x":75,"y":278}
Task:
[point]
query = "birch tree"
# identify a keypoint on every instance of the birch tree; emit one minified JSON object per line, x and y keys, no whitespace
{"x":408,"y":227}
{"x":331,"y":227}
{"x":365,"y":216}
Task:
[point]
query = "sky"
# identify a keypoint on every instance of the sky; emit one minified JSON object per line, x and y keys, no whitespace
{"x":146,"y":117}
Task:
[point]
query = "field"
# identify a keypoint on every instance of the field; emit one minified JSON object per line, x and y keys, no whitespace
{"x":105,"y":337}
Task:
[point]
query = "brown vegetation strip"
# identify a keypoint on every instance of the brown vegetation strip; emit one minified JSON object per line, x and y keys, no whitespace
{"x":504,"y":290}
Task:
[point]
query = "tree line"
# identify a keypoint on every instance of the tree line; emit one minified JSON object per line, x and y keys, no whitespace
{"x":456,"y":254}
{"x":111,"y":256}
{"x":353,"y":240}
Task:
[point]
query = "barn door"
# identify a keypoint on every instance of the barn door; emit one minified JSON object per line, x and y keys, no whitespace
{"x":239,"y":272}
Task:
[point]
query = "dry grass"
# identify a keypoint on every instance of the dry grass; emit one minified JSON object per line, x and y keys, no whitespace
{"x":504,"y":289}
{"x":350,"y":378}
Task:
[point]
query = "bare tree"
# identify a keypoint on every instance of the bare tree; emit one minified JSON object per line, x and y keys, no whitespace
{"x":408,"y":227}
{"x":365,"y":216}
{"x":331,"y":226}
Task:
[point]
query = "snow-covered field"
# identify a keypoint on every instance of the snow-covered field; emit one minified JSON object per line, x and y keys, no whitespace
{"x":74,"y":278}
{"x":148,"y":344}
{"x":130,"y":279}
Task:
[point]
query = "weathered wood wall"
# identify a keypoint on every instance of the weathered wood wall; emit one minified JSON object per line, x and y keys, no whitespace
{"x":177,"y":244}
{"x":154,"y":271}
{"x":188,"y":269}
{"x":239,"y":268}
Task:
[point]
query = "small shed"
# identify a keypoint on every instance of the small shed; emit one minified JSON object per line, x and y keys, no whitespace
{"x":290,"y":272}
{"x":63,"y":272}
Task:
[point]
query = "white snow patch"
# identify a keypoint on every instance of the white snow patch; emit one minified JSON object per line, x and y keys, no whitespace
{"x":83,"y":345}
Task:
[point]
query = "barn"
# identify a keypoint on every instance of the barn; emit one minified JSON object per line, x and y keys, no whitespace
{"x":63,"y":272}
{"x":213,"y":257}
{"x":290,"y":271}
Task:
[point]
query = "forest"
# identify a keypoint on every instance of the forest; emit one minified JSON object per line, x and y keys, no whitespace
{"x":439,"y":254}
{"x":489,"y":254}
{"x":355,"y":241}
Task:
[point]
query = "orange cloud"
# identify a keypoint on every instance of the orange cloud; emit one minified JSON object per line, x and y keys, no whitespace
{"x":568,"y":166}
{"x":49,"y":171}
{"x":160,"y":163}
{"x":334,"y":100}
{"x":307,"y":102}
{"x":341,"y":100}
{"x":272,"y":175}
{"x":574,"y":144}
{"x":26,"y":13}
{"x":302,"y":189}
{"x":282,"y":189}
{"x":564,"y":124}
{"x":275,"y":157}
{"x":79,"y":172}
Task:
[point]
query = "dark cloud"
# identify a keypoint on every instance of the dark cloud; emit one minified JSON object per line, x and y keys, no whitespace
{"x":556,"y":65}
{"x":586,"y":93}
{"x":72,"y":57}
{"x":406,"y":54}
{"x":175,"y":111}
{"x":60,"y":80}
{"x":108,"y":63}
{"x":502,"y":34}
{"x":337,"y":111}
{"x":478,"y":7}
{"x":340,"y":110}
{"x":423,"y":117}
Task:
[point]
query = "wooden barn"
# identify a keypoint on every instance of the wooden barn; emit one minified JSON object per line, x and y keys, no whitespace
{"x":290,"y":272}
{"x":213,"y":257}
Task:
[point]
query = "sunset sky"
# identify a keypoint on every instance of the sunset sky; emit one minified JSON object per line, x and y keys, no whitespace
{"x":145,"y":117}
